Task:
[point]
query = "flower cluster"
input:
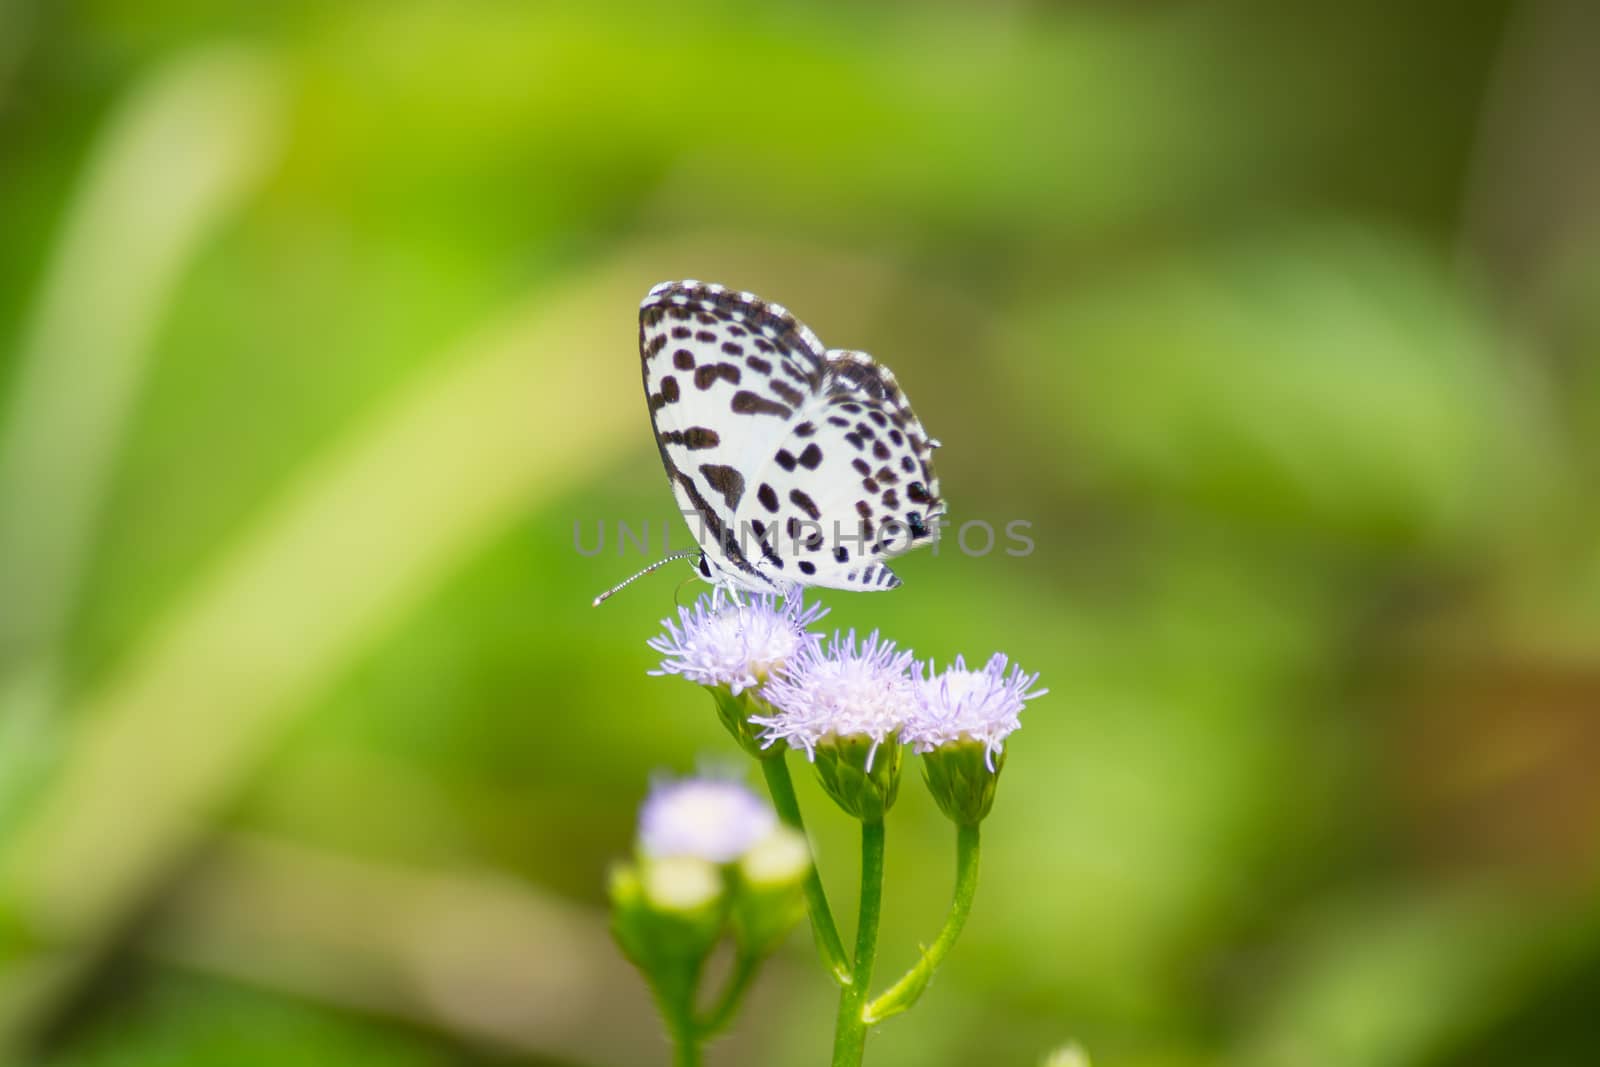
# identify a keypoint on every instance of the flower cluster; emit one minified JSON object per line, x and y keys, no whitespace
{"x":846,"y":701}
{"x":713,"y":864}
{"x":713,"y":861}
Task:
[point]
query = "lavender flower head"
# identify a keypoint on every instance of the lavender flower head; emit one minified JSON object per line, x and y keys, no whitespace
{"x":839,"y":690}
{"x":961,"y":704}
{"x":713,"y":819}
{"x":734,"y":643}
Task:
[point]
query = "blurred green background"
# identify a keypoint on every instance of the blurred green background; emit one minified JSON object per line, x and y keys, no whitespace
{"x":1280,"y":322}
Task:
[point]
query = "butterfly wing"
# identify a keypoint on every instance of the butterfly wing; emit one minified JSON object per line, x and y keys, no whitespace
{"x":724,"y":373}
{"x":849,"y":485}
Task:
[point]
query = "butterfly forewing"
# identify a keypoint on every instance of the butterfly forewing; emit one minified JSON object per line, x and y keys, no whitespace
{"x":795,"y":465}
{"x":851,"y":484}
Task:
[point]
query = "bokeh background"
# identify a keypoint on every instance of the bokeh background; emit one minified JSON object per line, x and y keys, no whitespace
{"x":1280,"y":322}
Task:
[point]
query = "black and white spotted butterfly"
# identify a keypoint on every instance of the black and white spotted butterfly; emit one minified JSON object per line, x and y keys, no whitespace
{"x":796,"y":465}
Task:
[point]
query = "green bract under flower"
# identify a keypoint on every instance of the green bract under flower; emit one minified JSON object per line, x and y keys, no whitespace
{"x":961,"y":776}
{"x":862,"y":779}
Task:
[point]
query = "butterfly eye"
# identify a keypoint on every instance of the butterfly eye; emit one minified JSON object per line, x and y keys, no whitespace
{"x":704,"y":566}
{"x":918,"y":527}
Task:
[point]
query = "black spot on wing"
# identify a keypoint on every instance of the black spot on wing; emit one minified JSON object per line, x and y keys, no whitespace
{"x":792,"y":396}
{"x":747,"y":403}
{"x":799,"y":499}
{"x":667,"y":395}
{"x":696,"y":437}
{"x":725,"y":480}
{"x":705,"y":377}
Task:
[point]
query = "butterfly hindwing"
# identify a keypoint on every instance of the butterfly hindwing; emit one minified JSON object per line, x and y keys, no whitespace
{"x":850,"y":485}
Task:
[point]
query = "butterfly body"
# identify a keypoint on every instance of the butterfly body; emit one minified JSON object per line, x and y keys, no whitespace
{"x":794,"y":464}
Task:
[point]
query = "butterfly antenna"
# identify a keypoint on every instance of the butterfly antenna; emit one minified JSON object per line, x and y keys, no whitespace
{"x":657,"y":565}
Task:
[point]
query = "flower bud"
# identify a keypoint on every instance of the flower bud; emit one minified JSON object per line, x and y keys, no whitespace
{"x":770,"y":897}
{"x":860,"y":774}
{"x":1067,"y":1056}
{"x":666,"y":915}
{"x":682,"y":885}
{"x":958,"y":776}
{"x":734,"y":712}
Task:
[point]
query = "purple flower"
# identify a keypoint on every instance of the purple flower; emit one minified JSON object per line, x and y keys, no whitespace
{"x":962,"y":704}
{"x":733,"y":642}
{"x":713,"y":819}
{"x":839,"y":690}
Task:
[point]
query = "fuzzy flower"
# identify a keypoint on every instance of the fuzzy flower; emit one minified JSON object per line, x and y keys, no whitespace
{"x":962,"y":704}
{"x":734,"y":643}
{"x":712,"y":819}
{"x":839,"y":690}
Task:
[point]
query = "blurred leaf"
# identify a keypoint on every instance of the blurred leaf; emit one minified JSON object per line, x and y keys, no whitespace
{"x":1320,"y":380}
{"x":1402,"y":978}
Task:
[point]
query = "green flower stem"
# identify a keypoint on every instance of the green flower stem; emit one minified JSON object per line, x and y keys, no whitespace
{"x":686,"y":1038}
{"x":685,"y":1049}
{"x":850,"y":1033}
{"x":727,"y":1005}
{"x":776,"y":768}
{"x":904,"y":993}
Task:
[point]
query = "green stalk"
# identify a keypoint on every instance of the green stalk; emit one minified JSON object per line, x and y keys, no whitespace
{"x":679,"y":1018}
{"x":850,"y":1033}
{"x":775,"y":767}
{"x":727,"y":1005}
{"x":685,"y":1050}
{"x":904,"y":993}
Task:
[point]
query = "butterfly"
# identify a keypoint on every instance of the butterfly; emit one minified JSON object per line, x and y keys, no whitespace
{"x":796,"y":465}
